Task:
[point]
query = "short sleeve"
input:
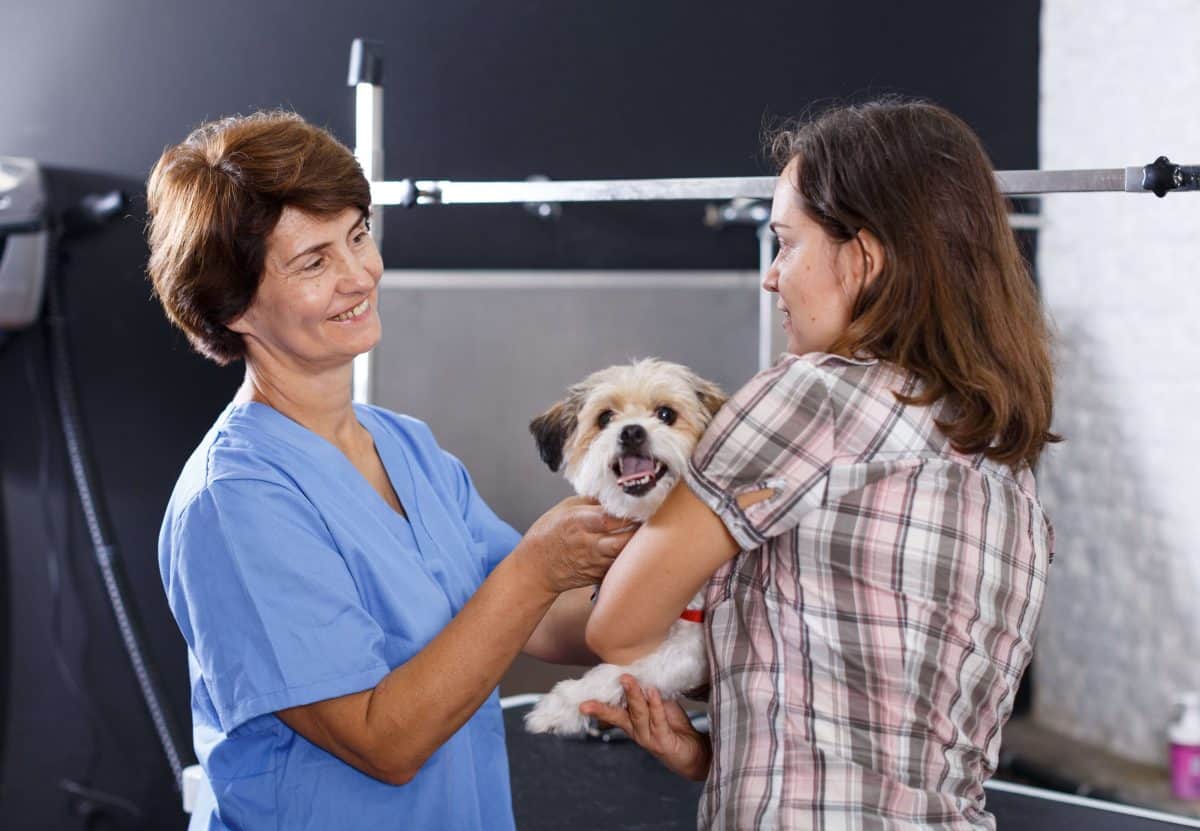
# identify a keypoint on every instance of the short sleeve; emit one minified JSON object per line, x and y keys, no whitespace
{"x":274,"y":617}
{"x":775,"y":434}
{"x":497,"y":537}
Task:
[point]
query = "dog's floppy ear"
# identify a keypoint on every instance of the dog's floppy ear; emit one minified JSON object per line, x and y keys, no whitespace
{"x":710,"y":395}
{"x":552,"y":429}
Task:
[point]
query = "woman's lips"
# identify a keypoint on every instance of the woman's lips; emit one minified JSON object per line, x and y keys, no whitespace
{"x":354,"y":313}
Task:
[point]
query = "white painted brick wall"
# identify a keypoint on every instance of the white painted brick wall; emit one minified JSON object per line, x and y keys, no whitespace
{"x":1120,"y":635}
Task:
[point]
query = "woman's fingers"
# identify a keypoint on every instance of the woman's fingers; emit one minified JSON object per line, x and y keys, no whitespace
{"x":575,"y":543}
{"x":678,"y":718}
{"x":660,"y":727}
{"x":616,"y":716}
{"x":635,"y":703}
{"x":593,"y":518}
{"x":632,"y":718}
{"x":613,"y":543}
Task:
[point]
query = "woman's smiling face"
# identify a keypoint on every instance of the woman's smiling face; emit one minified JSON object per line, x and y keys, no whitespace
{"x":316,"y":302}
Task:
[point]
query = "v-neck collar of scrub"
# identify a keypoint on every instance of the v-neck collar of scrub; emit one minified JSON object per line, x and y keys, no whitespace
{"x":401,"y":479}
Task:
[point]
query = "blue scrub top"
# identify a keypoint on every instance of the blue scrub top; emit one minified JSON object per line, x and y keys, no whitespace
{"x":293,"y":581}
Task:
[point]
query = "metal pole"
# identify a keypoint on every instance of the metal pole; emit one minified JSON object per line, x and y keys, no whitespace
{"x":766,"y":301}
{"x":366,"y":76}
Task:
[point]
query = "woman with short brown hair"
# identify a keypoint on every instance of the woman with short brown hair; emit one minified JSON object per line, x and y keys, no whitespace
{"x":348,"y":600}
{"x":867,"y":504}
{"x":215,"y":197}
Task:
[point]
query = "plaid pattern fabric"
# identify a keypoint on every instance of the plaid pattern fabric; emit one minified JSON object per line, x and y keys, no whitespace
{"x":867,"y":643}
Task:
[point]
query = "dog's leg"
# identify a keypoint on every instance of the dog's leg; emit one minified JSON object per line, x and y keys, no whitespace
{"x":558,"y":710}
{"x":677,"y":666}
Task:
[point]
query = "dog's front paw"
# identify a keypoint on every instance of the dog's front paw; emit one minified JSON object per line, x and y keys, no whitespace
{"x":558,"y":712}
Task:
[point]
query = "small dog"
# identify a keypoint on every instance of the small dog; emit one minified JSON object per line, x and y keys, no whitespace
{"x":626,"y":434}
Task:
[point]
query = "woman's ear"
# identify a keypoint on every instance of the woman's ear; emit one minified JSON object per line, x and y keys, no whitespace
{"x":873,"y":255}
{"x":240,"y":324}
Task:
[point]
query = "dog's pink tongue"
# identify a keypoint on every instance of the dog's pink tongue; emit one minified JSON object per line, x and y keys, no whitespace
{"x":635,"y":466}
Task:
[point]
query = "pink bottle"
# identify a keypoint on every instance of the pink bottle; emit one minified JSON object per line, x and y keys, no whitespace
{"x":1184,"y":735}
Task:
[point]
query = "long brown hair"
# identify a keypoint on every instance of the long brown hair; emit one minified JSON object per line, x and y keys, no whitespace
{"x":213,"y":200}
{"x":955,"y":303}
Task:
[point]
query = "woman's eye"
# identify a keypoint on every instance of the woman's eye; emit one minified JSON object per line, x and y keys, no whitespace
{"x":604,"y":418}
{"x":315,"y":265}
{"x":666,"y":415}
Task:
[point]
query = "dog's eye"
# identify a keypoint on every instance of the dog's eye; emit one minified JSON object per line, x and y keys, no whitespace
{"x":604,"y":418}
{"x":666,"y":415}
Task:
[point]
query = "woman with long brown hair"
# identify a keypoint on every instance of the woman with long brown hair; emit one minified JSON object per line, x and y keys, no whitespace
{"x":867,"y":504}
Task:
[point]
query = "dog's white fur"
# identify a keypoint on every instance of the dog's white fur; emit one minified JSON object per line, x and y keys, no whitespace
{"x":584,"y":429}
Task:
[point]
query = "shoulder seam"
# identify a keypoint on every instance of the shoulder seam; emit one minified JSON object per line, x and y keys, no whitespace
{"x":208,"y":487}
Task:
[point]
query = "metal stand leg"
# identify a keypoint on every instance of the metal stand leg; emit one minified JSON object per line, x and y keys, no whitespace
{"x":366,"y":76}
{"x":766,"y":302}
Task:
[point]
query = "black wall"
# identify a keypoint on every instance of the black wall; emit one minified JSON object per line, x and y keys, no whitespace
{"x":475,"y":90}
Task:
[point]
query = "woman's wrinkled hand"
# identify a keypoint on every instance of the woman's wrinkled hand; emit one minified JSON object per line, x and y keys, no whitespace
{"x":574,"y":543}
{"x":662,"y":728}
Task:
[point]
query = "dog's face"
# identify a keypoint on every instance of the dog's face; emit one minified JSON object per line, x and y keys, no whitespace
{"x":624,"y":434}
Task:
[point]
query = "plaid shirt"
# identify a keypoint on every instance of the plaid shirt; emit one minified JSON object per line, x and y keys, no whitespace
{"x":867,"y":643}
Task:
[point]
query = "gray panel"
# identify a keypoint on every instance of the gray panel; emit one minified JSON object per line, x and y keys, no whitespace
{"x":477,"y":363}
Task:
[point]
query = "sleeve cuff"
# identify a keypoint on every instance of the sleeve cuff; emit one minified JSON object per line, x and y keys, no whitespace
{"x":725,"y":506}
{"x":296,"y":696}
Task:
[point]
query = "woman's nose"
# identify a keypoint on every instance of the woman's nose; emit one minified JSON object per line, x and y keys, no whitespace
{"x":359,"y":275}
{"x":771,"y":280}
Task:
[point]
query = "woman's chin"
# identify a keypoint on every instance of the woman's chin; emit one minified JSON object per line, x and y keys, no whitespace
{"x":373,"y":338}
{"x":366,"y":338}
{"x":345,"y":351}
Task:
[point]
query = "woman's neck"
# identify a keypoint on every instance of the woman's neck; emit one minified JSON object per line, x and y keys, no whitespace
{"x":319,"y":400}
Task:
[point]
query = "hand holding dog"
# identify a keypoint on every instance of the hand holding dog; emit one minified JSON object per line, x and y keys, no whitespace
{"x":662,"y":728}
{"x":574,"y":543}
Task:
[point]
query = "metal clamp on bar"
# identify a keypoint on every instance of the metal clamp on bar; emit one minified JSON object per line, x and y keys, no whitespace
{"x":1162,"y":176}
{"x":543,"y":210}
{"x":407,"y":192}
{"x":366,"y":62}
{"x":737,"y":212}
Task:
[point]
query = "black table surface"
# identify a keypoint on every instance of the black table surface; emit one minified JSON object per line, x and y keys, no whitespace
{"x":581,"y":785}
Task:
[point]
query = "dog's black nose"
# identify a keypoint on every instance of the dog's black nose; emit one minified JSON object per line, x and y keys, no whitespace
{"x":632,"y":436}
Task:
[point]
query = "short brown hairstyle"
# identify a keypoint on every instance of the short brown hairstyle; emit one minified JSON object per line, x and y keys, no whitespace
{"x":213,"y":200}
{"x":955,"y":303}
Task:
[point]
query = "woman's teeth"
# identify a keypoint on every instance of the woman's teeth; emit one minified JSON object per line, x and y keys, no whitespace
{"x":361,"y":308}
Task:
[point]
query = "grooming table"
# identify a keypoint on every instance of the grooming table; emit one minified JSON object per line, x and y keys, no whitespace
{"x":582,"y":785}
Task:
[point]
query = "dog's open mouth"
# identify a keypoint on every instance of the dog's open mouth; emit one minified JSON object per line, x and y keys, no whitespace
{"x":637,"y":475}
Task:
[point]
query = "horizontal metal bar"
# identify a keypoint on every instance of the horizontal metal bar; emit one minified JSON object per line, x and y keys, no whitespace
{"x":603,"y":190}
{"x":1030,"y":182}
{"x":567,"y":280}
{"x":447,"y":192}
